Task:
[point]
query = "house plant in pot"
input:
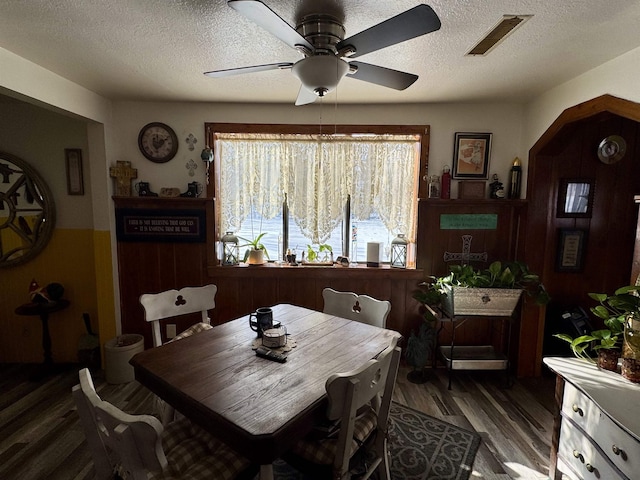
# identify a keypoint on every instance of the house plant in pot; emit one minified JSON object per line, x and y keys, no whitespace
{"x":254,"y":255}
{"x":495,"y":290}
{"x":420,"y":346}
{"x":619,"y":313}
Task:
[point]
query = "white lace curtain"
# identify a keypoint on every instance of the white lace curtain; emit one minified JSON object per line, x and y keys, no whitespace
{"x":318,"y":172}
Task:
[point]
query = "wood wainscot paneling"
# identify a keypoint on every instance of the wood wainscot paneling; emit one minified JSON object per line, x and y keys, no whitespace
{"x":154,"y":261}
{"x":148,"y":265}
{"x":475,"y":232}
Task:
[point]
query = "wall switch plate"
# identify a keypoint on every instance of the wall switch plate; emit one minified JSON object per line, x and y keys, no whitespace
{"x":171,"y":330}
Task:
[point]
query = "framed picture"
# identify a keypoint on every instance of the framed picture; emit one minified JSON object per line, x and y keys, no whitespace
{"x":471,"y":156}
{"x":571,"y":246}
{"x":575,"y":198}
{"x":75,"y":181}
{"x":471,"y":189}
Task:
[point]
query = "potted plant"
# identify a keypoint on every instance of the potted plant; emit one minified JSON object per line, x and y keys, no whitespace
{"x":616,"y":311}
{"x":323,"y":255}
{"x":420,"y":346}
{"x":255,"y":255}
{"x":493,"y":291}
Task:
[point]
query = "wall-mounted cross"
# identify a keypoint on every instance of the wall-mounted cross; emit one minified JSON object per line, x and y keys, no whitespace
{"x":465,"y":256}
{"x":191,"y":141}
{"x":123,"y":173}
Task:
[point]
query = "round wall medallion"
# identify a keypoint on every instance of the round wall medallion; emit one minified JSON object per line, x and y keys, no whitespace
{"x":27,"y":211}
{"x":158,"y":142}
{"x":612,"y":149}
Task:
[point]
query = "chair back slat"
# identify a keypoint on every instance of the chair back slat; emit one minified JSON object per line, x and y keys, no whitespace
{"x":173,"y":303}
{"x":361,"y":308}
{"x":115,"y":437}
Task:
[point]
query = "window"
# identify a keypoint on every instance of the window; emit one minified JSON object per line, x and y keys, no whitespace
{"x":355,"y":186}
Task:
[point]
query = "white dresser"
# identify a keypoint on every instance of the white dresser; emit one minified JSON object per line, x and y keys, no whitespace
{"x":597,"y":425}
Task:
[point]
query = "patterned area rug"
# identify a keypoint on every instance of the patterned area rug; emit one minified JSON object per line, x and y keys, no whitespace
{"x":422,"y":448}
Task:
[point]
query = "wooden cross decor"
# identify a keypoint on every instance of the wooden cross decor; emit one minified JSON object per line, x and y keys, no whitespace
{"x":123,"y":173}
{"x":465,"y":256}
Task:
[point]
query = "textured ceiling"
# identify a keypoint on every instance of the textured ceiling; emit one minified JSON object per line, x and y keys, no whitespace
{"x":159,"y":49}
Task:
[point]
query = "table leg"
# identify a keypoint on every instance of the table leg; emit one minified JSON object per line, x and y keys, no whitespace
{"x":266,"y":472}
{"x":46,"y":339}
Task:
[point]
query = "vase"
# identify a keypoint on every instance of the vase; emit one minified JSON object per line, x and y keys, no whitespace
{"x":631,"y":349}
{"x":256,"y":257}
{"x":608,"y":359}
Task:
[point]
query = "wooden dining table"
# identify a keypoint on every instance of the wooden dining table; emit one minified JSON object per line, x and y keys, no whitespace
{"x":259,"y":407}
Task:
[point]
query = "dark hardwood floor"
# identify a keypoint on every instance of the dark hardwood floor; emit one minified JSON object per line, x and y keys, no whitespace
{"x":40,"y":435}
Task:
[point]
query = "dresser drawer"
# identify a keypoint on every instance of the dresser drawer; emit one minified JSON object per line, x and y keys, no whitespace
{"x":579,"y":453}
{"x":620,"y":447}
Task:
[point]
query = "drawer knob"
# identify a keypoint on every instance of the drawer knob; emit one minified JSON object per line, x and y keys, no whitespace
{"x":618,"y":451}
{"x":578,"y":455}
{"x":590,"y":468}
{"x":577,"y":409}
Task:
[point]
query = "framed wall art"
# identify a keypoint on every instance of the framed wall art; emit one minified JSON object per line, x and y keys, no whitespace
{"x":471,"y":153}
{"x":75,"y":180}
{"x":575,"y":198}
{"x":571,"y":247}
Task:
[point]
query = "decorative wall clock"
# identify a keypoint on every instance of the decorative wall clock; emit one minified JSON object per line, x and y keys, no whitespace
{"x":158,"y":142}
{"x":612,"y":149}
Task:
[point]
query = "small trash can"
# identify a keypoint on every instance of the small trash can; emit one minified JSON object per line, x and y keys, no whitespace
{"x":117,"y":353}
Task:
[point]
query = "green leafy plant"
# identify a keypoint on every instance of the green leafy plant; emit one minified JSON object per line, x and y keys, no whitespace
{"x":314,"y":255}
{"x":420,"y":346}
{"x":255,"y":244}
{"x":613,"y":310}
{"x":498,"y":275}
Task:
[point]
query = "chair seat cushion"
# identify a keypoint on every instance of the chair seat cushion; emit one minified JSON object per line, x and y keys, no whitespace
{"x":194,"y":454}
{"x":323,"y":451}
{"x":193,"y":329}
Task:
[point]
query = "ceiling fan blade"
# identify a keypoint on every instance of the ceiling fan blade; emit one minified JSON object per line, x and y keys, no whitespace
{"x":305,"y":96}
{"x":382,"y":76}
{"x":256,"y":68}
{"x":417,"y":21}
{"x":266,"y":18}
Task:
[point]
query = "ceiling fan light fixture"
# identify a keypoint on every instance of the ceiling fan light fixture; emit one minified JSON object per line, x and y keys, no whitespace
{"x":321,"y":73}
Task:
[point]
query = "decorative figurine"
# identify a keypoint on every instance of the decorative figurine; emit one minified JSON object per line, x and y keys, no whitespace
{"x":496,"y":189}
{"x":194,"y":189}
{"x":516,"y":179}
{"x":144,"y":190}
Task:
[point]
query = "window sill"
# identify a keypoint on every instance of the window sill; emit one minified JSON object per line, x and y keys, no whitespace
{"x":272,"y":268}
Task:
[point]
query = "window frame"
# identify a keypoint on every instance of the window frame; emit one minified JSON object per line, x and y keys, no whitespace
{"x":211,"y":129}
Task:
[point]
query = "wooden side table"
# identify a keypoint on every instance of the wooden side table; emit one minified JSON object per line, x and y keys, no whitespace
{"x":43,"y":310}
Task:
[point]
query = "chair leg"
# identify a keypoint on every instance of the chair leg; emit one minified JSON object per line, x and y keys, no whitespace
{"x":384,"y":468}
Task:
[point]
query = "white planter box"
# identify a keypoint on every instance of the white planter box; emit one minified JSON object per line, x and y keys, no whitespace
{"x":498,"y":302}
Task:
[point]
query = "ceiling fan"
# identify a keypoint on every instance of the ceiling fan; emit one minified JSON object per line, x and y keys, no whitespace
{"x":327,"y":54}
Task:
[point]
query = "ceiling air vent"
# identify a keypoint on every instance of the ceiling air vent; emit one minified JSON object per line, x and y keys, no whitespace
{"x":505,"y":27}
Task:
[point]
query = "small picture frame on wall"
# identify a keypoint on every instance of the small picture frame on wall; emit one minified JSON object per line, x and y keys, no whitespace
{"x":575,"y":198}
{"x":471,"y":156}
{"x":571,"y":248}
{"x":75,"y":180}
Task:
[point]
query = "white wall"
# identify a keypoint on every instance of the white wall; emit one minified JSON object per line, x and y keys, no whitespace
{"x":39,"y":137}
{"x":618,"y":77}
{"x":503,"y":120}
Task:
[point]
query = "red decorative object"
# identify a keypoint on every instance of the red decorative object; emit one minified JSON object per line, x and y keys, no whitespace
{"x":445,"y":189}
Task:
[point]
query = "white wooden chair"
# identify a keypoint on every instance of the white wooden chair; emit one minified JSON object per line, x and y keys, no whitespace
{"x":139,"y":447}
{"x":173,"y":303}
{"x":359,"y":405}
{"x":361,"y":308}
